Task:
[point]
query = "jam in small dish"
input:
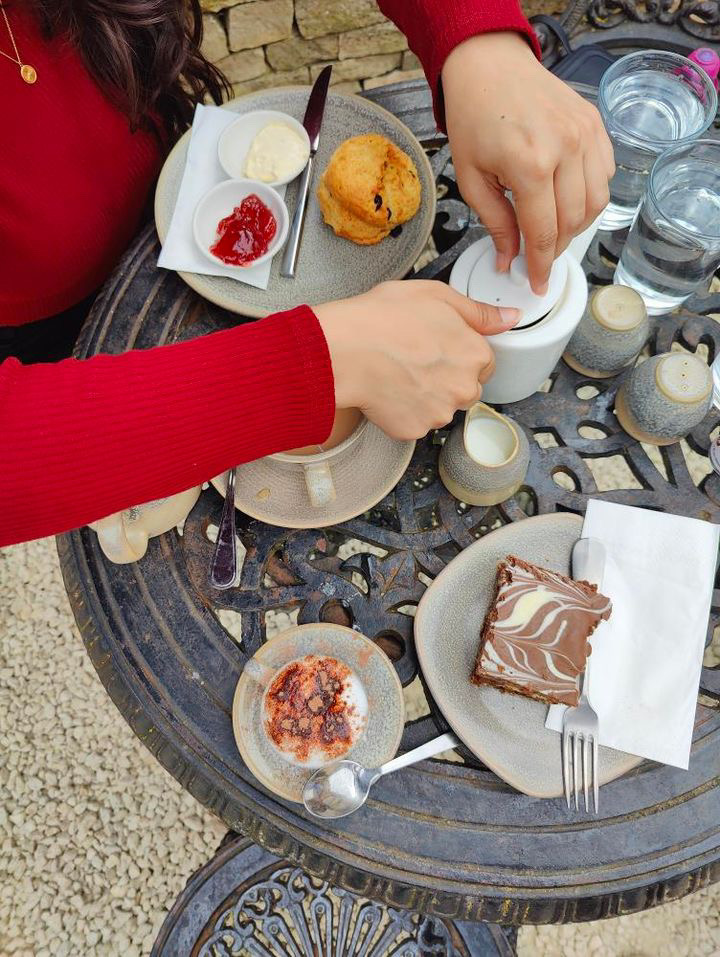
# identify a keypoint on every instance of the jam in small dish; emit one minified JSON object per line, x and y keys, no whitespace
{"x":246,"y":234}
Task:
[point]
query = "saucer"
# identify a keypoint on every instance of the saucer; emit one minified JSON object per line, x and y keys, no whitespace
{"x":505,"y":731}
{"x":271,"y":491}
{"x":386,"y":708}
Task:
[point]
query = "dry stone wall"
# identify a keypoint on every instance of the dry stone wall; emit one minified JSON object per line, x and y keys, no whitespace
{"x":261,"y":43}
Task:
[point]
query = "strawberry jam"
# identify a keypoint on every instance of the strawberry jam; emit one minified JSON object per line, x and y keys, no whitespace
{"x":246,"y":234}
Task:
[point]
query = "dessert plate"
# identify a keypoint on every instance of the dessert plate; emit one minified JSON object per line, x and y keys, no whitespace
{"x":328,"y":267}
{"x":505,"y":731}
{"x":386,"y":707}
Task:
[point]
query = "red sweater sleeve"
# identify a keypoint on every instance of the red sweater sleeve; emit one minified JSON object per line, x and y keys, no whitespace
{"x":435,"y":27}
{"x":84,"y":438}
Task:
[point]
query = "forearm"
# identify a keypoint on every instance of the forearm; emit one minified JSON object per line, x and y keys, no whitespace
{"x":85,"y":438}
{"x":435,"y":27}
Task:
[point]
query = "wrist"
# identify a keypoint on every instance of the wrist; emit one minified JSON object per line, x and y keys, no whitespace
{"x":489,"y":51}
{"x":336,"y":321}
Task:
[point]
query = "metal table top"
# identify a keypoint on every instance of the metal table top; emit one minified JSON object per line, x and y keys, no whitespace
{"x":444,"y":838}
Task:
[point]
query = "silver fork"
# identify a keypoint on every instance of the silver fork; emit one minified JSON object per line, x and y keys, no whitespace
{"x":580,"y":724}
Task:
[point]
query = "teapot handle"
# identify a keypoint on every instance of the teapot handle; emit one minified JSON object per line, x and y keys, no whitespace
{"x":119,"y":546}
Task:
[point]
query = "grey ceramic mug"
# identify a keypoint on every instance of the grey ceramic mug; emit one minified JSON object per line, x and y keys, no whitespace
{"x":665,"y":398}
{"x":611,"y":333}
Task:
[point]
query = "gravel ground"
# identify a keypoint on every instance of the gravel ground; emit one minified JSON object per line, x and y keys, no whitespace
{"x":96,"y":839}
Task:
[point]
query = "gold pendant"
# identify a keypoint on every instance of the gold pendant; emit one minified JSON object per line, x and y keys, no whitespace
{"x":28,"y":73}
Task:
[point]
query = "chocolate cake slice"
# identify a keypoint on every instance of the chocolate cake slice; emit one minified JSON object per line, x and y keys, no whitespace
{"x":535,"y":637}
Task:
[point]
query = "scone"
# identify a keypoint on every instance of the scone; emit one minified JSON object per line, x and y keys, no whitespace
{"x":369,"y":187}
{"x":346,"y":225}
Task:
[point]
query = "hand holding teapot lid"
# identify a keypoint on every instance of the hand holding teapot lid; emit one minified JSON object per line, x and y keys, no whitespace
{"x":512,"y":288}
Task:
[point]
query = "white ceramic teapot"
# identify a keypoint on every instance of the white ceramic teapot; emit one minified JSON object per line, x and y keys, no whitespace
{"x":526,"y":354}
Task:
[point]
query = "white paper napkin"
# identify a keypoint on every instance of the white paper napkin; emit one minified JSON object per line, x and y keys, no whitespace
{"x":202,"y":172}
{"x":646,"y":660}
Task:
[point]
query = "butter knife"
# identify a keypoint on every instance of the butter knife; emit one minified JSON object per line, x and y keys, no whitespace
{"x":312,"y":123}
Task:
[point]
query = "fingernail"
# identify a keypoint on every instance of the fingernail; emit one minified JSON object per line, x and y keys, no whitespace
{"x":542,"y":290}
{"x":502,"y":262}
{"x":510,"y":317}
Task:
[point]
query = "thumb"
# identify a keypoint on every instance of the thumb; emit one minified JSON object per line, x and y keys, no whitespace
{"x":495,"y":212}
{"x":480,"y":316}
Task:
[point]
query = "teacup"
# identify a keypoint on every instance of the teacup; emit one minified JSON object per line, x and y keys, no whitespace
{"x":124,"y":536}
{"x":485,"y":460}
{"x":665,"y":397}
{"x":314,"y":708}
{"x":317,"y":466}
{"x":344,"y":424}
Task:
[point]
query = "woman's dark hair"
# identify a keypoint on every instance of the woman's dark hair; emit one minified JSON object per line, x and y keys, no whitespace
{"x":145,"y":54}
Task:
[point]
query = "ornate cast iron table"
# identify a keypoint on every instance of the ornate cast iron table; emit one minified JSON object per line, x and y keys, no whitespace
{"x":247,"y":903}
{"x":443,"y":838}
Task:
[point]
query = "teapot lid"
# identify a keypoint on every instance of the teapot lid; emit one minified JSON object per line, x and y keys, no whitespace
{"x":512,"y":288}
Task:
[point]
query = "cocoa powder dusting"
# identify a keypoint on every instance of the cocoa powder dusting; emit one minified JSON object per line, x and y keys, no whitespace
{"x":305,"y":710}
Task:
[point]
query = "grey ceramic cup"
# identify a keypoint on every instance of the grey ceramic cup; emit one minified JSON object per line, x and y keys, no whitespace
{"x":611,"y":333}
{"x":484,"y":461}
{"x":665,"y":398}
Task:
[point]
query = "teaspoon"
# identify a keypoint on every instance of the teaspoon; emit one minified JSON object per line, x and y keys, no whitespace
{"x":223,"y":568}
{"x":343,"y":786}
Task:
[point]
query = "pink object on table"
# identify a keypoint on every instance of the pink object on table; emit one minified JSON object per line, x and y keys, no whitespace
{"x":709,"y":61}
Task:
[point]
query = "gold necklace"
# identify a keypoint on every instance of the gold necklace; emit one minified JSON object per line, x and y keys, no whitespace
{"x":27,"y":72}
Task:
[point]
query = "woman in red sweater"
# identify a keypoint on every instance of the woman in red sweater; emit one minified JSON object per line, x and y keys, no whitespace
{"x":93,"y":93}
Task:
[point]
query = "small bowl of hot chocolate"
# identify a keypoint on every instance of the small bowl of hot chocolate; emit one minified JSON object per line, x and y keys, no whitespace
{"x":313,"y":695}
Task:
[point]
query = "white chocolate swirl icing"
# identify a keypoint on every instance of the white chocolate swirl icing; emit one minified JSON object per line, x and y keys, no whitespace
{"x":535,"y":638}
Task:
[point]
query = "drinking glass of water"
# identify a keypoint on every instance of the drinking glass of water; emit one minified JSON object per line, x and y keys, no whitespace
{"x":649,"y":101}
{"x":673,"y":248}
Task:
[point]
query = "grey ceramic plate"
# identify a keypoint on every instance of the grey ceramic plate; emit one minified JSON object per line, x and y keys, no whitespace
{"x":506,"y":731}
{"x":386,"y":707}
{"x":328,"y":267}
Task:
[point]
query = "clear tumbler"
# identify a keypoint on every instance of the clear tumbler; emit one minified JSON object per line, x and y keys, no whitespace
{"x":673,"y":248}
{"x":649,"y":101}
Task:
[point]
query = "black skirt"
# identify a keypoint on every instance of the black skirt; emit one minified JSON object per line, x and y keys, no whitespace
{"x":46,"y":340}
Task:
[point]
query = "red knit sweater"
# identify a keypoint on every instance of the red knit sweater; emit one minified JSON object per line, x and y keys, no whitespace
{"x":84,"y":438}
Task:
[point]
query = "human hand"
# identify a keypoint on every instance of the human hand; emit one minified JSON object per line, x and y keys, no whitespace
{"x":514,"y":126}
{"x":409,"y":354}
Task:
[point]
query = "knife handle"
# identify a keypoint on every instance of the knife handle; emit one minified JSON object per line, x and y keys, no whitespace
{"x":289,"y":260}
